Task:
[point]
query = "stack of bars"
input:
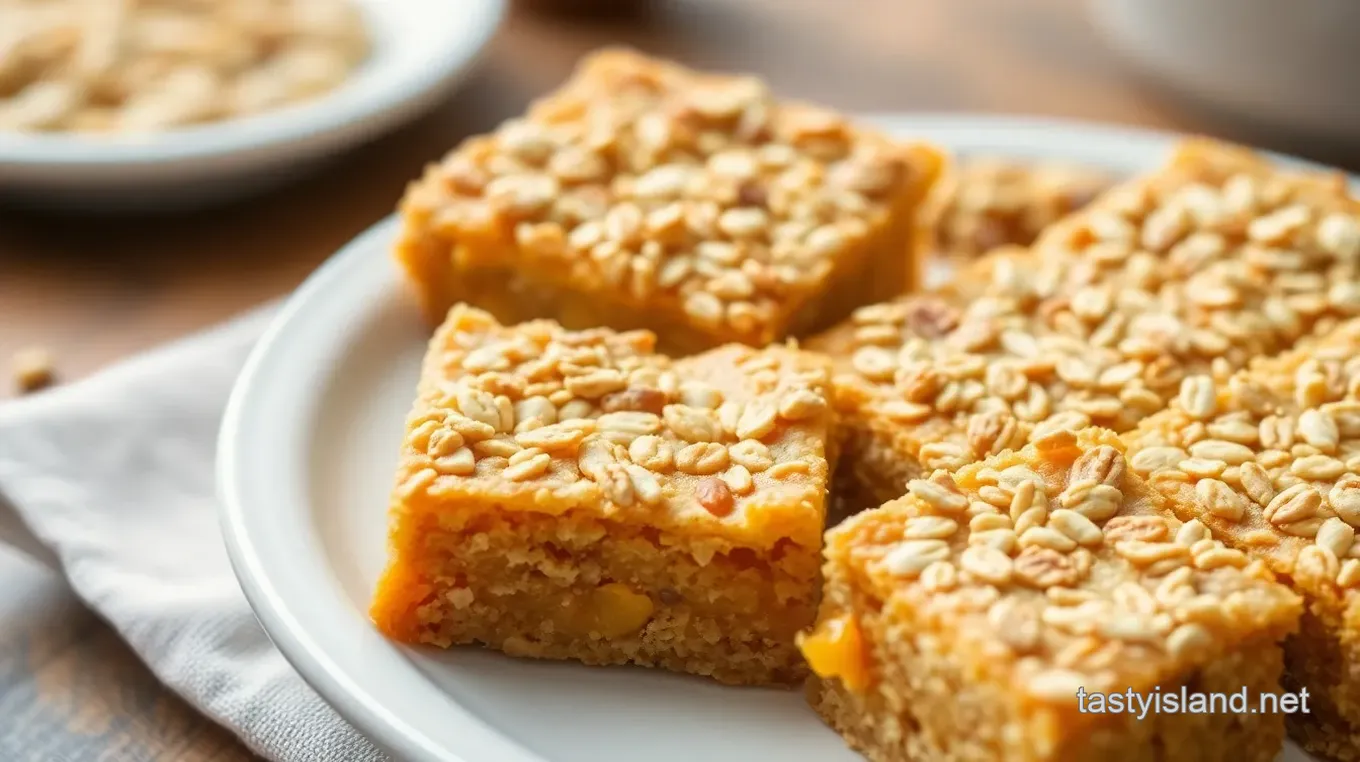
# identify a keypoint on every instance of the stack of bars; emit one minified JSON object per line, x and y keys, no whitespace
{"x":1123,"y":457}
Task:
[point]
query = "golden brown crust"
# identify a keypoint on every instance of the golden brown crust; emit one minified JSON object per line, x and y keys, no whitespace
{"x":664,"y":196}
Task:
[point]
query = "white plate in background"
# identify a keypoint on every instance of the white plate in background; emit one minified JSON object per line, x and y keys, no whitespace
{"x":420,"y":50}
{"x":306,"y":457}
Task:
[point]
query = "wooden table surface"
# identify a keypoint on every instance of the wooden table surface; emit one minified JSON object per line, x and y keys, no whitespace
{"x":95,"y":290}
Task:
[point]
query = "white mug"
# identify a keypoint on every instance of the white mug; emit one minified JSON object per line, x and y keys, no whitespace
{"x":1289,"y":66}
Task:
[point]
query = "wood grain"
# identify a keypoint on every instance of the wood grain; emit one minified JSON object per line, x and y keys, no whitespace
{"x":94,"y":289}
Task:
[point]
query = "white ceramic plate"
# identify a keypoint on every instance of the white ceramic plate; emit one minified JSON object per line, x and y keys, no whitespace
{"x":306,"y":455}
{"x":421,"y":48}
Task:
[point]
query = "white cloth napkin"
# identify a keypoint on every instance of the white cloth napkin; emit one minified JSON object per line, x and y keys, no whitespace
{"x":113,"y":476}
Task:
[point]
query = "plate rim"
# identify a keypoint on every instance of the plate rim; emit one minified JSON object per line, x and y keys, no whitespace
{"x":1057,"y":139}
{"x":317,"y":125}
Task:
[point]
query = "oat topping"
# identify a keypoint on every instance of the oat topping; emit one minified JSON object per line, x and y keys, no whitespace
{"x":1058,"y":559}
{"x":138,"y":65}
{"x":1144,"y":297}
{"x":1288,"y":477}
{"x":991,"y":202}
{"x":597,"y":413}
{"x":663,"y":186}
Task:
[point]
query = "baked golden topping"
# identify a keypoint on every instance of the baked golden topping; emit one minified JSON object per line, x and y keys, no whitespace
{"x":596,"y":418}
{"x":654,"y":182}
{"x":1193,"y":271}
{"x":1059,"y":562}
{"x":1270,"y":457}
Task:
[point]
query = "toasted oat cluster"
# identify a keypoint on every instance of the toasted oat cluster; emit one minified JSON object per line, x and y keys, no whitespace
{"x":1194,"y":270}
{"x":989,"y":202}
{"x":140,"y":65}
{"x":645,"y":195}
{"x":575,"y":495}
{"x":960,"y":622}
{"x":1269,"y":460}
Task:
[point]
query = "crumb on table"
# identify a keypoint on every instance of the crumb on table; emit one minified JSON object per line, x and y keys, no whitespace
{"x":34,"y":369}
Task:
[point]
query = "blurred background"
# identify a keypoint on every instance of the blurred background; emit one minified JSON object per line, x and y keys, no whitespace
{"x":85,"y":287}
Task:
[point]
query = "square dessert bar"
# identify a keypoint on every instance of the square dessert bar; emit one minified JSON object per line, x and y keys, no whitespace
{"x":573,"y":495}
{"x":1196,"y":269}
{"x":1269,"y":461}
{"x":645,"y":195}
{"x":974,"y":619}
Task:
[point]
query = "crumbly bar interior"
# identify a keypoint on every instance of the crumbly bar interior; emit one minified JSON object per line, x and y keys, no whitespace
{"x":574,"y":495}
{"x":1194,"y":270}
{"x":645,"y":195}
{"x":960,"y":621}
{"x":1269,"y":460}
{"x":891,"y":725}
